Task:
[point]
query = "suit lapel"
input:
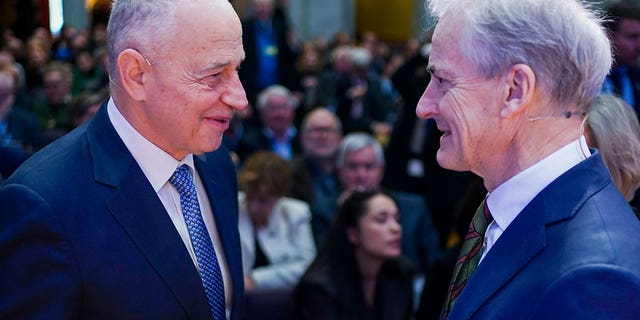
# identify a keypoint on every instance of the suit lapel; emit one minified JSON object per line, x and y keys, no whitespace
{"x":520,"y":243}
{"x":135,"y":205}
{"x":526,"y":236}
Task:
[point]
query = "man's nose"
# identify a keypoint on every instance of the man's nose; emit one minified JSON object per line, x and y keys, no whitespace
{"x":428,"y":104}
{"x":235,"y":95}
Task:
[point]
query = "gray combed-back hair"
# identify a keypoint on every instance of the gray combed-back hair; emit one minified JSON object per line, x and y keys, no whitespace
{"x":561,"y":40}
{"x":357,"y":141}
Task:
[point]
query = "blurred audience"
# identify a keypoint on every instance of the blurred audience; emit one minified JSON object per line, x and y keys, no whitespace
{"x":18,"y":128}
{"x":361,"y":165}
{"x":309,"y":70}
{"x":275,"y":231}
{"x":85,"y":105}
{"x":360,"y":273}
{"x":277,"y":133}
{"x":336,"y":68}
{"x":37,"y":57}
{"x":314,"y":171}
{"x":87,"y":76}
{"x":269,"y":56}
{"x":53,"y":104}
{"x":623,"y":24}
{"x":361,"y":104}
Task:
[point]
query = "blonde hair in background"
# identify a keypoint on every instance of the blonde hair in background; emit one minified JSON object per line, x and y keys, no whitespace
{"x":614,"y":129}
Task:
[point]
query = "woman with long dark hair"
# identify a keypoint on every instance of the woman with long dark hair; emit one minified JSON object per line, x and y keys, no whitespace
{"x":360,"y":273}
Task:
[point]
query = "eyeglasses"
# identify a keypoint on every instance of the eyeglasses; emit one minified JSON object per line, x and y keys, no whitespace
{"x":319,"y":130}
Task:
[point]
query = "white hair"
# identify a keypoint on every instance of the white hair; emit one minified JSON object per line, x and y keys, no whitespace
{"x":561,"y":40}
{"x":273,"y":90}
{"x":357,"y":141}
{"x":360,"y":57}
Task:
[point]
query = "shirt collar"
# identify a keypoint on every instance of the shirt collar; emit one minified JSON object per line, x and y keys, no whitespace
{"x":156,"y":164}
{"x":509,"y":198}
{"x":291,"y":132}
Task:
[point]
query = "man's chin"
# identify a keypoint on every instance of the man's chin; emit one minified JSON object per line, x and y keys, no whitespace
{"x":448,"y":161}
{"x":209,"y":147}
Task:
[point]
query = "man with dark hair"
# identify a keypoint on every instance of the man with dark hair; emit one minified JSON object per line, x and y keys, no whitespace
{"x":623,"y":25}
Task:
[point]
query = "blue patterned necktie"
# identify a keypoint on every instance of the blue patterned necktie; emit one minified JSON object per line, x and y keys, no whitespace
{"x":205,"y":254}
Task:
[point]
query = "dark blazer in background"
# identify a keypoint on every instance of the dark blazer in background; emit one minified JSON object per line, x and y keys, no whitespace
{"x":615,"y":78}
{"x":83,"y":235}
{"x":287,"y":75}
{"x":255,"y":139}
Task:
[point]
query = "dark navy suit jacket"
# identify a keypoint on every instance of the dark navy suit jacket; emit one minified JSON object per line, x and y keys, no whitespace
{"x":83,"y":235}
{"x":572,"y":253}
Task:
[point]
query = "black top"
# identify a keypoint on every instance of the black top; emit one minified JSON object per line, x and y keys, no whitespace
{"x":320,"y":294}
{"x":261,"y":258}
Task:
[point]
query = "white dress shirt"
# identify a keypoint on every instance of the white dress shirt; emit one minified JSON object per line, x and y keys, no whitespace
{"x":509,"y":198}
{"x":286,"y":240}
{"x":158,"y":166}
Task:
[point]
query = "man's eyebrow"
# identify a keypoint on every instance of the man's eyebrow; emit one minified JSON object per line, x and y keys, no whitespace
{"x":438,"y":72}
{"x":213,"y":66}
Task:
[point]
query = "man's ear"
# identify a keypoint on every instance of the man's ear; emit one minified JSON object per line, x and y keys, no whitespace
{"x":132,"y":67}
{"x":520,"y":85}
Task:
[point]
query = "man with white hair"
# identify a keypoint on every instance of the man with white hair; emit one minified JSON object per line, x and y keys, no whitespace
{"x":510,"y":84}
{"x":277,"y":133}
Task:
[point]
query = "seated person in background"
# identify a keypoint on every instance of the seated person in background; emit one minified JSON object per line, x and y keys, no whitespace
{"x":85,"y":105}
{"x":277,"y":133}
{"x":314,"y":171}
{"x":360,"y":273}
{"x":19,"y":129}
{"x":52,"y":105}
{"x":361,"y":104}
{"x":361,"y":164}
{"x":275,"y":231}
{"x":612,"y":127}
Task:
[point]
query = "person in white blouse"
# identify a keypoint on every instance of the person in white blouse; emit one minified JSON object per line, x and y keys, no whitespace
{"x":275,"y":231}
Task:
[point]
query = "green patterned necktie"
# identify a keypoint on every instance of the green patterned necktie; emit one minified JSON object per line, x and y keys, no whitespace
{"x":469,"y":256}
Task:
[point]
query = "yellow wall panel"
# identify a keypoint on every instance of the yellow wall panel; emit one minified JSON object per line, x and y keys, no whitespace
{"x":390,"y":19}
